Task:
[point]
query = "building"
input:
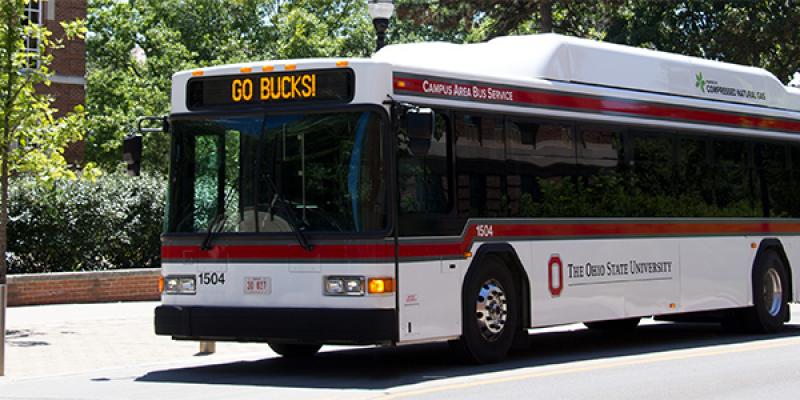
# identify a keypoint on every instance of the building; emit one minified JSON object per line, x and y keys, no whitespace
{"x":69,"y":63}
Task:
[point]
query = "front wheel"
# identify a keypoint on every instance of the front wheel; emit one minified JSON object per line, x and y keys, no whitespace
{"x":294,"y":350}
{"x":490,"y":313}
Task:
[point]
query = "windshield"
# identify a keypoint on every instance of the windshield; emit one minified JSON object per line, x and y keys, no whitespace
{"x":327,"y":169}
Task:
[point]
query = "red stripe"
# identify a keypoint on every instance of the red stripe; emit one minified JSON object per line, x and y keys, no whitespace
{"x":603,"y":105}
{"x":385,"y":251}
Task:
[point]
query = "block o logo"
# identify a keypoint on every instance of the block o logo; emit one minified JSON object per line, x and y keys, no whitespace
{"x":555,"y":275}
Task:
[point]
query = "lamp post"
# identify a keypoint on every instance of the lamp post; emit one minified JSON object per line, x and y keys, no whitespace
{"x":380,"y":11}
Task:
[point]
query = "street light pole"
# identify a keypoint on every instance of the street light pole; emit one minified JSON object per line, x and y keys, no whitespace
{"x":380,"y":11}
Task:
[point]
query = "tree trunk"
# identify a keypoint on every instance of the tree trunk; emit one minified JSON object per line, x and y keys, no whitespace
{"x":546,"y":16}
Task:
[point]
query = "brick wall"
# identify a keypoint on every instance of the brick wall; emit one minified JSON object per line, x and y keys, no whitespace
{"x":70,"y":60}
{"x":83,"y":287}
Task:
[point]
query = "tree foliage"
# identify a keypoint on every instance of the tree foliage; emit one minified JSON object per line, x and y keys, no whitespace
{"x":32,"y":139}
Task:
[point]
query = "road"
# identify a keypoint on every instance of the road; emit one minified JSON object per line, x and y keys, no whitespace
{"x":658,"y":361}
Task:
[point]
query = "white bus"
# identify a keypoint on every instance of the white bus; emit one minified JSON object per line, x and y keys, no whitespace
{"x":469,"y":193}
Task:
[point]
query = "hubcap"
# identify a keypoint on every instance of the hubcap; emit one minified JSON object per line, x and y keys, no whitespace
{"x":773,"y":292}
{"x":491,"y":310}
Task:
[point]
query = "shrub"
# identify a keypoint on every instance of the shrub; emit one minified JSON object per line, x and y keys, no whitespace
{"x":80,"y":225}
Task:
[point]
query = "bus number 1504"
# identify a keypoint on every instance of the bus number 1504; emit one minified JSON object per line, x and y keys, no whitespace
{"x":211,"y":278}
{"x":484,"y":230}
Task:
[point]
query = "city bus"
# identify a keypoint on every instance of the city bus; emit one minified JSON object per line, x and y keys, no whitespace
{"x":468,"y":193}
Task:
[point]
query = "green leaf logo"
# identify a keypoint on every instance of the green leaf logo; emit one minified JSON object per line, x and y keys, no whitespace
{"x":700,"y":82}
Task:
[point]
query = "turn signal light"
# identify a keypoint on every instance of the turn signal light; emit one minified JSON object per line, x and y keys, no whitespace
{"x":381,"y":285}
{"x":160,"y":284}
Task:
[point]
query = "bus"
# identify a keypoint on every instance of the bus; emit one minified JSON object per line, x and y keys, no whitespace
{"x":468,"y":193}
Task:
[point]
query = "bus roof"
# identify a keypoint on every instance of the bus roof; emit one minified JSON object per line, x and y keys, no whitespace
{"x":556,"y":57}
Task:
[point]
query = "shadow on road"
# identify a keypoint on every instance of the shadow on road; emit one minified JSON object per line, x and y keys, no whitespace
{"x":385,"y":368}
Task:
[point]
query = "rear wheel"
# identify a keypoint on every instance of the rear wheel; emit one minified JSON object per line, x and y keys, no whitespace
{"x":770,"y":296}
{"x":490,"y":313}
{"x":294,"y":350}
{"x":616,"y":325}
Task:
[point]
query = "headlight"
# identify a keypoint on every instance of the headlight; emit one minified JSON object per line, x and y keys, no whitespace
{"x":344,"y":285}
{"x":180,"y":285}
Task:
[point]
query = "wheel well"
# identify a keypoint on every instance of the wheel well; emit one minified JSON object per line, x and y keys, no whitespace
{"x":774,"y":244}
{"x":509,"y":257}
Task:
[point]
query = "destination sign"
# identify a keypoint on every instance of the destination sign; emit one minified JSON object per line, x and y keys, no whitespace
{"x":272,"y":88}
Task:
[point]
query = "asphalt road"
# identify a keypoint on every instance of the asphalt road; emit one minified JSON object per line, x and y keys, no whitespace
{"x":658,"y":361}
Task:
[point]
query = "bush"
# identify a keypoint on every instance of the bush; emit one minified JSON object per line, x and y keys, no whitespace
{"x":79,"y":225}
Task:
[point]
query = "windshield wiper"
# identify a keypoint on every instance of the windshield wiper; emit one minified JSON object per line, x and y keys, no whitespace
{"x":218,"y":219}
{"x":291,"y":219}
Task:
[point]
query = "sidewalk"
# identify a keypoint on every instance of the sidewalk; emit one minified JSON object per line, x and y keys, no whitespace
{"x":73,"y":338}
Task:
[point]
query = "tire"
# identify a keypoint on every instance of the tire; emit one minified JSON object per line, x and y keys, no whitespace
{"x":490,"y":313}
{"x":294,"y":350}
{"x":770,"y":296}
{"x":614,"y":325}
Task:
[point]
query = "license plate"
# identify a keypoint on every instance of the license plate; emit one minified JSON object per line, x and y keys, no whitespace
{"x":257,"y":285}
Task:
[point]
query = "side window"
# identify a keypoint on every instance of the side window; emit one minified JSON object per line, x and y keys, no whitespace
{"x":692,"y":177}
{"x":540,"y":160}
{"x":480,"y":165}
{"x":601,"y":168}
{"x":424,"y":180}
{"x":734,"y":191}
{"x":651,"y":173}
{"x":773,"y":174}
{"x":424,"y":174}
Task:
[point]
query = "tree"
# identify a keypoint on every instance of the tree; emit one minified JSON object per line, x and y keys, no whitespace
{"x":121,"y":88}
{"x":758,"y":33}
{"x":32,"y":140}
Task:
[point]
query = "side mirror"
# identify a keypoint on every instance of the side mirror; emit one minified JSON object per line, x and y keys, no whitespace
{"x":420,"y":125}
{"x":132,"y":154}
{"x":132,"y":145}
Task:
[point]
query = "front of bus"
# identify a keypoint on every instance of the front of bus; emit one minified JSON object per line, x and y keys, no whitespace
{"x":279,"y":213}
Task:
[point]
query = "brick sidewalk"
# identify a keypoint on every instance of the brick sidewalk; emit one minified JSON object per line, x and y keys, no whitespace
{"x":72,"y":338}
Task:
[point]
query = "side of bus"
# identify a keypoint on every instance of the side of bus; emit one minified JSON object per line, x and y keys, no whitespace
{"x":538,"y":221}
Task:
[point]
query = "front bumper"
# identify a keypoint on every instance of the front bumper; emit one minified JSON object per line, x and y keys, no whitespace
{"x":302,"y":325}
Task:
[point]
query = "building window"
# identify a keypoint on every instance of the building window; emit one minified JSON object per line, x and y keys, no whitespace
{"x":32,"y":14}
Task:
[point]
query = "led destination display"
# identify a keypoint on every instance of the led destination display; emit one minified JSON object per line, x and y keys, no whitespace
{"x":272,"y":88}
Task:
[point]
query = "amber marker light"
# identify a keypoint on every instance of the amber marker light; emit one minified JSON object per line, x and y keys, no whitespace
{"x":673,"y":306}
{"x":197,"y":73}
{"x":245,"y":70}
{"x":268,"y":68}
{"x":290,"y":67}
{"x":753,"y":245}
{"x":342,"y":63}
{"x":380,"y":285}
{"x":467,"y":254}
{"x":401,"y":84}
{"x":160,"y":284}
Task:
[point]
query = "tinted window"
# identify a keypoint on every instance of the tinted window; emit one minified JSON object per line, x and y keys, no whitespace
{"x":540,"y":161}
{"x":602,"y":171}
{"x":480,"y":165}
{"x":424,"y":179}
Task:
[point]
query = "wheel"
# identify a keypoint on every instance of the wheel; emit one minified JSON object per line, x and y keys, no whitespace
{"x":294,"y":350}
{"x":490,"y":313}
{"x":614,"y":325}
{"x":770,"y":296}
